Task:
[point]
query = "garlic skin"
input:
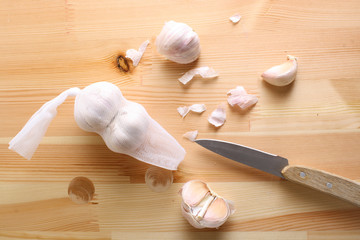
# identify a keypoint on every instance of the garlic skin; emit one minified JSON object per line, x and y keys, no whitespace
{"x":184,"y":110}
{"x":191,"y":135}
{"x":204,"y":72}
{"x":238,"y":96}
{"x":235,"y":18}
{"x":178,"y":43}
{"x":136,"y":55}
{"x":202,"y":207}
{"x":124,"y":125}
{"x":218,"y":116}
{"x":283,"y":74}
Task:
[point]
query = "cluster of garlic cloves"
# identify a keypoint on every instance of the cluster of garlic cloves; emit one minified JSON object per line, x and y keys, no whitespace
{"x":283,"y":74}
{"x":202,"y":207}
{"x":178,"y":43}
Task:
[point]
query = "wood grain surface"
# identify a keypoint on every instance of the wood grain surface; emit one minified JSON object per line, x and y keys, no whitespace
{"x":49,"y":46}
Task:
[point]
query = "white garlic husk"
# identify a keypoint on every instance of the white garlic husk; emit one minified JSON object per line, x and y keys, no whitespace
{"x":124,"y":125}
{"x":202,"y":207}
{"x":283,"y":74}
{"x":178,"y":43}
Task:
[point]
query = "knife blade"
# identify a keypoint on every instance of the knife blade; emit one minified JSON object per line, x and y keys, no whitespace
{"x":329,"y":183}
{"x":246,"y":155}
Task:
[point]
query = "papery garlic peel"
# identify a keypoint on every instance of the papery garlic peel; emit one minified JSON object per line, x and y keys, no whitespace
{"x":124,"y":125}
{"x":238,"y":96}
{"x":191,"y":135}
{"x":218,"y":116}
{"x":204,"y":72}
{"x":136,"y":55}
{"x":202,"y":207}
{"x":178,"y":43}
{"x":184,"y":110}
{"x":283,"y":74}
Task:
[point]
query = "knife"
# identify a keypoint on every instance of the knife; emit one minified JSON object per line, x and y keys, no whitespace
{"x":329,"y":183}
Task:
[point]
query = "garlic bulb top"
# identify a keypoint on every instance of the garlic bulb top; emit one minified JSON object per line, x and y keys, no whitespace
{"x":124,"y":125}
{"x":178,"y":42}
{"x":96,"y":105}
{"x":202,"y":207}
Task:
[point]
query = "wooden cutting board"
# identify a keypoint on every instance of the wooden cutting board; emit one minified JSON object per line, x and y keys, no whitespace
{"x":49,"y":46}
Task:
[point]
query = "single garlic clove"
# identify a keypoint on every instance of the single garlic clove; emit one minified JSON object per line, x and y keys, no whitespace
{"x":193,"y":192}
{"x":202,"y":207}
{"x":283,"y":74}
{"x":178,"y":42}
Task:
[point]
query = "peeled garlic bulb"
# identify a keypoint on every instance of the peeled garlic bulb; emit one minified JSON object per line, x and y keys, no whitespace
{"x":202,"y":207}
{"x":283,"y":74}
{"x":124,"y":125}
{"x":178,"y":42}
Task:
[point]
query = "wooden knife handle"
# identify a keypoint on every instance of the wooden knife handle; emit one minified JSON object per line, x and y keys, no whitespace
{"x":325,"y":182}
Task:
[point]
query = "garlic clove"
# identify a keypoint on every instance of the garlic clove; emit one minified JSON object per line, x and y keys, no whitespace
{"x":136,"y":55}
{"x":208,"y":209}
{"x":204,"y":72}
{"x":193,"y":192}
{"x":178,"y":42}
{"x":240,"y":97}
{"x":191,"y":135}
{"x":217,"y":210}
{"x":283,"y":74}
{"x":235,"y":18}
{"x":218,"y":116}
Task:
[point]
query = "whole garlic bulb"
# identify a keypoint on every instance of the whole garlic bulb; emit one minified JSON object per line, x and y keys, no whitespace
{"x":178,"y":42}
{"x":202,"y":207}
{"x":124,"y":125}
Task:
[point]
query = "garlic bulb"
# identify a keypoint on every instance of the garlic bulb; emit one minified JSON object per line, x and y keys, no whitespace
{"x":202,"y":207}
{"x":124,"y":125}
{"x":178,"y":42}
{"x":283,"y":74}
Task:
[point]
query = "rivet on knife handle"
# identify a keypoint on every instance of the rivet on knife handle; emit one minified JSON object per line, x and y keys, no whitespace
{"x":325,"y":182}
